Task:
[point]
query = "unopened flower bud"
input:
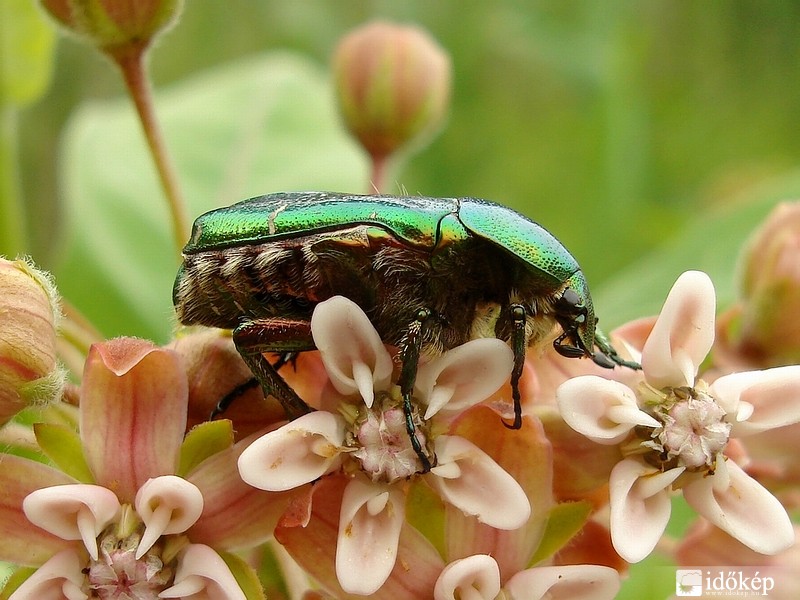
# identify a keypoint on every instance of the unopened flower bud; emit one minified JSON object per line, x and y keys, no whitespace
{"x":770,"y":289}
{"x":29,"y":372}
{"x":393,"y":85}
{"x":113,"y":24}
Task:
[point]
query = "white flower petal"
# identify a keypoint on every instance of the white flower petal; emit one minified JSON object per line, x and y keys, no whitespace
{"x":203,"y":575}
{"x":295,"y":454}
{"x":759,"y":400}
{"x":683,"y":333}
{"x":473,"y":482}
{"x":166,"y":504}
{"x":476,"y":577}
{"x":744,"y":509}
{"x":640,"y":507}
{"x":59,"y":577}
{"x":571,"y":582}
{"x":351,"y":350}
{"x":464,"y":376}
{"x":604,"y":411}
{"x":73,"y":512}
{"x":369,"y":531}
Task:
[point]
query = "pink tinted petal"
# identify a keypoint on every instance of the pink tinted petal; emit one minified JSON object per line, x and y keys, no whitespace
{"x":527,"y":456}
{"x":476,"y":577}
{"x":166,"y":505}
{"x":760,"y":400}
{"x":683,"y":333}
{"x":369,"y":530}
{"x":58,"y":578}
{"x":352,"y":351}
{"x":297,"y":453}
{"x":572,"y":582}
{"x":605,"y":411}
{"x":203,"y":575}
{"x":313,"y":547}
{"x":640,"y":507}
{"x":73,"y":512}
{"x":226,"y":498}
{"x":743,"y":508}
{"x":22,"y":542}
{"x":133,"y":413}
{"x":472,"y":481}
{"x":464,"y":376}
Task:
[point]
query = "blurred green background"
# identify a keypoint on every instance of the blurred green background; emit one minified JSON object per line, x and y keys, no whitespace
{"x":614,"y":124}
{"x":649,"y":136}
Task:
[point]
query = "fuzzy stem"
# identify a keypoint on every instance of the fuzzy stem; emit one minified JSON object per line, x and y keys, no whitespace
{"x":131,"y":62}
{"x":13,"y":227}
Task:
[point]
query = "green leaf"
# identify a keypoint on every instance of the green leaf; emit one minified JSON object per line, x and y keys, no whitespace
{"x":245,"y":576}
{"x":26,"y":52}
{"x":252,"y":127}
{"x":711,"y":243}
{"x":16,"y":579}
{"x":204,"y":440}
{"x":425,"y":512}
{"x":564,"y":521}
{"x":63,"y":446}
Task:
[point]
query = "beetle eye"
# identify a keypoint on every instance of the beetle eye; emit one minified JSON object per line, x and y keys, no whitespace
{"x":570,"y":303}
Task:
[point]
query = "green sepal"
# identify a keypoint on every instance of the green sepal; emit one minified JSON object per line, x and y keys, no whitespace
{"x":425,"y":511}
{"x":62,"y":445}
{"x":203,"y":441}
{"x":18,"y":577}
{"x":563,"y":523}
{"x":245,"y":576}
{"x":270,"y":573}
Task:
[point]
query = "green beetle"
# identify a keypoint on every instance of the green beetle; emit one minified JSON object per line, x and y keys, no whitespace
{"x":431,"y":274}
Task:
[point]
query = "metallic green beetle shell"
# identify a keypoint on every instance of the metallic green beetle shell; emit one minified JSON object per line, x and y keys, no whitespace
{"x":257,"y":220}
{"x":414,"y":220}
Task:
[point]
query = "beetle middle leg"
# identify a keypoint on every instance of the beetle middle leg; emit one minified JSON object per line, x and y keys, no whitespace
{"x":518,"y":346}
{"x":253,"y":338}
{"x":410,"y":349}
{"x":240,"y":390}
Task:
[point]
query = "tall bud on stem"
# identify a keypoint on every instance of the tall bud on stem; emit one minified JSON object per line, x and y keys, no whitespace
{"x":393,"y":87}
{"x":124,"y":30}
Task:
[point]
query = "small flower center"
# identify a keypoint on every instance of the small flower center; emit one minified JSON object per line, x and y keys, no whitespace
{"x":119,"y":575}
{"x":694,"y":430}
{"x":381,"y":440}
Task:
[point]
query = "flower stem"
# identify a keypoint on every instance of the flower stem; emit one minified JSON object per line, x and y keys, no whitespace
{"x":377,"y":179}
{"x":131,"y":62}
{"x":13,"y":228}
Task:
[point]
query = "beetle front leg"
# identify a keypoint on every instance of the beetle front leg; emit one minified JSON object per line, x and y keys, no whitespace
{"x":518,"y":346}
{"x":410,"y":349}
{"x":253,"y":338}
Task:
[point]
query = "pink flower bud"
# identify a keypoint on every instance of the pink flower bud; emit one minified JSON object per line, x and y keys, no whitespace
{"x":112,"y":24}
{"x":770,"y":287}
{"x":29,"y":311}
{"x":393,"y":85}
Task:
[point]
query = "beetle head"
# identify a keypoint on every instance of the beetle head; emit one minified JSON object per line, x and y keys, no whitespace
{"x":575,"y":313}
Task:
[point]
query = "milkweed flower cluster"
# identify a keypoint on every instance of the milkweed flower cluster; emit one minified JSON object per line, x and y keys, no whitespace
{"x":121,"y":502}
{"x":128,"y":509}
{"x":676,"y":432}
